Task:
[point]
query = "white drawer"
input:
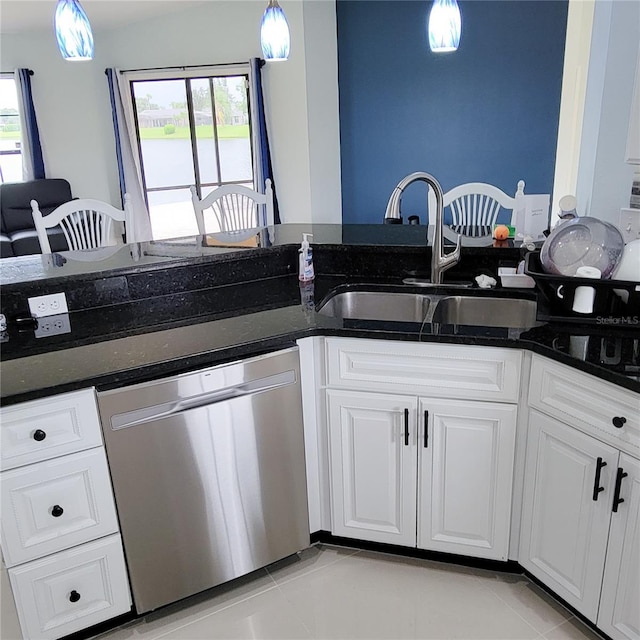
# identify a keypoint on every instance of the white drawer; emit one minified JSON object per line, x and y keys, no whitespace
{"x":56,"y":504}
{"x":71,"y":590}
{"x":441,"y":370}
{"x":587,"y":403}
{"x":42,"y":429}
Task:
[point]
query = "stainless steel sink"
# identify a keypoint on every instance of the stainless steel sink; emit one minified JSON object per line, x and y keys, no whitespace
{"x":408,"y":306}
{"x":377,"y":305}
{"x":485,"y":311}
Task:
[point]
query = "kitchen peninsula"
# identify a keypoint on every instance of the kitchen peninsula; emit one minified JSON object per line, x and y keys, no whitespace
{"x":144,"y":310}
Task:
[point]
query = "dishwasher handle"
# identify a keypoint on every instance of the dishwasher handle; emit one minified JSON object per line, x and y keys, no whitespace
{"x":168,"y":409}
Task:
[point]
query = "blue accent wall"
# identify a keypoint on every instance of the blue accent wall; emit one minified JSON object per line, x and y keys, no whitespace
{"x":485,"y":113}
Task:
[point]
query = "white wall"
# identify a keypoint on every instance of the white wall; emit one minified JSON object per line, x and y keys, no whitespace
{"x":72,"y":106}
{"x":321,"y":53}
{"x":74,"y":115}
{"x":574,"y":84}
{"x":604,"y":178}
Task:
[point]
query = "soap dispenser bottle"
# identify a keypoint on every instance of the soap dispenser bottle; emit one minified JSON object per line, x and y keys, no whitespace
{"x":305,"y":268}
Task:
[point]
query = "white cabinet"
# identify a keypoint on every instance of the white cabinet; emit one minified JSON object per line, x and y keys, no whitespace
{"x":466,"y":455}
{"x":43,"y":429}
{"x":580,"y":531}
{"x":567,"y":501}
{"x":9,"y":625}
{"x":418,"y":470}
{"x":56,"y":504}
{"x":619,"y":615}
{"x":601,"y":409}
{"x":71,"y":590}
{"x":59,"y":525}
{"x":373,"y":466}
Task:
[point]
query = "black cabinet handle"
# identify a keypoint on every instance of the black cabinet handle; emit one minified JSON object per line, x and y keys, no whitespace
{"x":74,"y":596}
{"x":616,"y":494}
{"x":406,"y":427}
{"x":596,"y":483}
{"x":56,"y":511}
{"x":619,"y":422}
{"x":39,"y":435}
{"x":426,"y":429}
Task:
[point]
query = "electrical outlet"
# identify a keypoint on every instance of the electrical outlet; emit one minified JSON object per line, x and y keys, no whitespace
{"x":53,"y":325}
{"x":50,"y":305}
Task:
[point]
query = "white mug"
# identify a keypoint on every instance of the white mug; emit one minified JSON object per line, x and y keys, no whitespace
{"x":584,"y":296}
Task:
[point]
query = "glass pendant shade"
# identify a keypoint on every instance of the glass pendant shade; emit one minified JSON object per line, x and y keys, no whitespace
{"x":444,"y":26}
{"x":274,"y":33}
{"x":73,"y":31}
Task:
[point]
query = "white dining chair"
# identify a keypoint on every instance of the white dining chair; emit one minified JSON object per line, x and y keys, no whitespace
{"x":86,"y":223}
{"x":234,"y":207}
{"x":475,"y":203}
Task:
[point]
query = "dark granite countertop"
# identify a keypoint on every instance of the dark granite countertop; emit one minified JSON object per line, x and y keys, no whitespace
{"x":134,"y":324}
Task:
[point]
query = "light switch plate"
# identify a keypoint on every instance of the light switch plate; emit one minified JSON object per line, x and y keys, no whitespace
{"x":630,"y":224}
{"x":49,"y":305}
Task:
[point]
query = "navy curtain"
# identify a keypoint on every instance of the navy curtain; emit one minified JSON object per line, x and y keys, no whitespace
{"x":264,"y":168}
{"x":31,"y":136}
{"x":112,"y":80}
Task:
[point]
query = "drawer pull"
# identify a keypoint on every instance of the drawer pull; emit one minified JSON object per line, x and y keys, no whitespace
{"x":56,"y":511}
{"x":596,"y":484}
{"x":74,"y":596}
{"x":618,"y":422}
{"x":616,"y":494}
{"x":39,"y":435}
{"x":406,"y":427}
{"x":426,"y":429}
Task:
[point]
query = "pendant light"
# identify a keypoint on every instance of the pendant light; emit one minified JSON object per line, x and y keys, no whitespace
{"x":73,"y":31}
{"x":274,"y":33}
{"x":444,"y":26}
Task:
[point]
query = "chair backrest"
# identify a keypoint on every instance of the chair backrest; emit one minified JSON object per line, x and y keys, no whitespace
{"x":234,"y":208}
{"x":475,"y":203}
{"x":86,"y":223}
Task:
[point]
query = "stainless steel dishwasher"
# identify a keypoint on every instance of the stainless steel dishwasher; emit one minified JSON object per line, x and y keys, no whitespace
{"x":209,"y":476}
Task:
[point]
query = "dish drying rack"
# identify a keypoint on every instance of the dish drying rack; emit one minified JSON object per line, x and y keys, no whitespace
{"x":608,"y":306}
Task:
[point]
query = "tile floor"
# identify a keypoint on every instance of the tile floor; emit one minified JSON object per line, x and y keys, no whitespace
{"x":335,"y":592}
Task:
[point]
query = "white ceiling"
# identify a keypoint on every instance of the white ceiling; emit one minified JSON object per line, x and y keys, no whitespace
{"x":20,"y":16}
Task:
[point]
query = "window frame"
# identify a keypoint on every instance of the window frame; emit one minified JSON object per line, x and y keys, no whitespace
{"x":18,"y":151}
{"x":187,"y":74}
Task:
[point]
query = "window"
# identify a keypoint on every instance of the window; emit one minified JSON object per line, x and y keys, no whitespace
{"x":191,"y":131}
{"x":10,"y":140}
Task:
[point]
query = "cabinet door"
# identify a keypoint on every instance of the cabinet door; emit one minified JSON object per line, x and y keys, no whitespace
{"x":373,"y":466}
{"x":619,"y":615}
{"x":465,"y":477}
{"x":568,"y":488}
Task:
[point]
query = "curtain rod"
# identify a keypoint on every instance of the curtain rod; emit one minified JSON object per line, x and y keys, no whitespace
{"x":192,"y":66}
{"x":6,"y":73}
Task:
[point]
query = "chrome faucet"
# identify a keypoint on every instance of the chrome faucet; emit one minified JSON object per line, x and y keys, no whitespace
{"x":440,"y":261}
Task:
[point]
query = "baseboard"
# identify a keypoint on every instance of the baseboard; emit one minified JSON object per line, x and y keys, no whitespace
{"x":510,"y":566}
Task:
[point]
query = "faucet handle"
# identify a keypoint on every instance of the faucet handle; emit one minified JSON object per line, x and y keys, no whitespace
{"x":453,"y":257}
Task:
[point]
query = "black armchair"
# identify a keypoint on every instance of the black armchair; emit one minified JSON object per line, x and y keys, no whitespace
{"x":18,"y":235}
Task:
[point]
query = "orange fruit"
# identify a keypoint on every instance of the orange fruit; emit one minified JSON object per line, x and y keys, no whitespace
{"x":501,"y":232}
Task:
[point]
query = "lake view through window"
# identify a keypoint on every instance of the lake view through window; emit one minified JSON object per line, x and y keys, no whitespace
{"x":191,"y":131}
